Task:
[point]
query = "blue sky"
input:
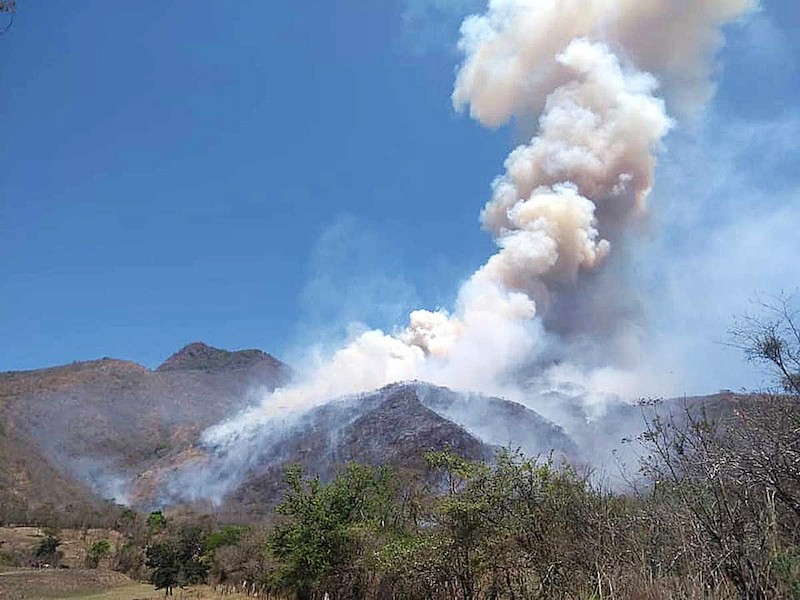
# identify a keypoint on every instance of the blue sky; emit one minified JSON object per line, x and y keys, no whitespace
{"x":257,"y":175}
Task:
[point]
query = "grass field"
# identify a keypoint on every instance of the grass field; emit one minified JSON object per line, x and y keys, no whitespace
{"x":51,"y":584}
{"x":57,"y":583}
{"x":146,"y":592}
{"x":133,"y":591}
{"x":17,"y":545}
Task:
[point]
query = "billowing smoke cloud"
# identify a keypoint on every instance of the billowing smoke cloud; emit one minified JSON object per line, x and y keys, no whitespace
{"x":512,"y":51}
{"x":588,"y":73}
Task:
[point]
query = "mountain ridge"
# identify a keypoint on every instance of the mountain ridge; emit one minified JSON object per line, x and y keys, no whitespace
{"x":201,"y":356}
{"x":101,"y":421}
{"x":111,"y":428}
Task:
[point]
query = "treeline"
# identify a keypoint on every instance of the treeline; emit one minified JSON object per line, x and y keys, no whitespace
{"x":716,"y":514}
{"x":15,"y":511}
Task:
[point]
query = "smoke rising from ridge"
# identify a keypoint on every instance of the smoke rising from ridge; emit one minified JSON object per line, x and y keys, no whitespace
{"x":589,"y":74}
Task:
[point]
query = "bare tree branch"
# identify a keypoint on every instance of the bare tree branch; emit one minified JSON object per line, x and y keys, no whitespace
{"x":773,"y":338}
{"x":9,"y":7}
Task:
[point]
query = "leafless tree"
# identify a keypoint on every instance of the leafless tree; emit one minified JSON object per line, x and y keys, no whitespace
{"x":731,"y":469}
{"x":773,"y":338}
{"x":9,"y":7}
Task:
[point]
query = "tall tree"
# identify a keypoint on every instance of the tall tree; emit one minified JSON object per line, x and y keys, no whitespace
{"x":177,"y":561}
{"x":321,"y":522}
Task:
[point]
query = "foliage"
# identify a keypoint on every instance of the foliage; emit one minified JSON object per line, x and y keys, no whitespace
{"x":772,"y":338}
{"x":9,"y":7}
{"x":47,"y":552}
{"x":715,"y":514}
{"x":323,"y":522}
{"x":156,"y":522}
{"x":225,"y":536}
{"x":177,"y":561}
{"x":519,"y":528}
{"x":243,"y":560}
{"x":97,"y":552}
{"x":735,"y":483}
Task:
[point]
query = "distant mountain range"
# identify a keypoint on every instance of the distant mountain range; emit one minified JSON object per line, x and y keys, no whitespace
{"x":76,"y":434}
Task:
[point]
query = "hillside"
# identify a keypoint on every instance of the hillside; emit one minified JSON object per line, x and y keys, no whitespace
{"x":95,"y":424}
{"x":392,"y":426}
{"x":73,"y":435}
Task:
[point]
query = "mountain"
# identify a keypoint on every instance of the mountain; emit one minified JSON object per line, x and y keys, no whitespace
{"x":395,"y":426}
{"x":392,"y":426}
{"x":75,"y":434}
{"x":198,"y":356}
{"x":102,"y":422}
{"x":32,"y":486}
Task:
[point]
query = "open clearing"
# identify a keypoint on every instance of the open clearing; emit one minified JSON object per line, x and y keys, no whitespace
{"x":51,"y":584}
{"x":58,"y":583}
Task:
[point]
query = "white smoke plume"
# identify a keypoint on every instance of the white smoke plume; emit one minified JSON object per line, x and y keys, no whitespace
{"x":511,"y":64}
{"x":589,"y":74}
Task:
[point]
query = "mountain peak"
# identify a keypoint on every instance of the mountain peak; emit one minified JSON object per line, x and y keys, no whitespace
{"x":198,"y":356}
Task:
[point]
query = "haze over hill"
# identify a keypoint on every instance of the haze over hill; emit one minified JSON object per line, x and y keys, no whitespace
{"x":103,"y":421}
{"x":79,"y":433}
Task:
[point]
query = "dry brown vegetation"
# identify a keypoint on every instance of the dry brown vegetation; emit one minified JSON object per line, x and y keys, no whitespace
{"x":19,"y":544}
{"x":57,"y":583}
{"x":63,"y":429}
{"x":101,"y":585}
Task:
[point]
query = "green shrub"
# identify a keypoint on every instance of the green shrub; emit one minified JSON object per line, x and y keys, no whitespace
{"x":97,"y":552}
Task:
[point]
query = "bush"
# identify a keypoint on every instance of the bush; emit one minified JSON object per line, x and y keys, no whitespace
{"x":47,"y":553}
{"x":323,"y":524}
{"x":177,"y":561}
{"x":156,"y":522}
{"x":97,"y":552}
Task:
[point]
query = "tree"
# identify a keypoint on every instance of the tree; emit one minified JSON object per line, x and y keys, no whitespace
{"x":225,"y":536}
{"x":8,"y":7}
{"x":322,"y":523}
{"x":129,"y":557}
{"x":156,"y":522}
{"x":163,"y":559}
{"x":47,"y":552}
{"x":177,"y":561}
{"x":516,"y":529}
{"x":242,"y":558}
{"x":773,"y":338}
{"x":734,"y":477}
{"x":97,"y":552}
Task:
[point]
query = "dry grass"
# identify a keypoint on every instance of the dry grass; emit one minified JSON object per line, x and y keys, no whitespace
{"x":146,"y":592}
{"x":51,"y":584}
{"x":57,"y":583}
{"x":134,"y":591}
